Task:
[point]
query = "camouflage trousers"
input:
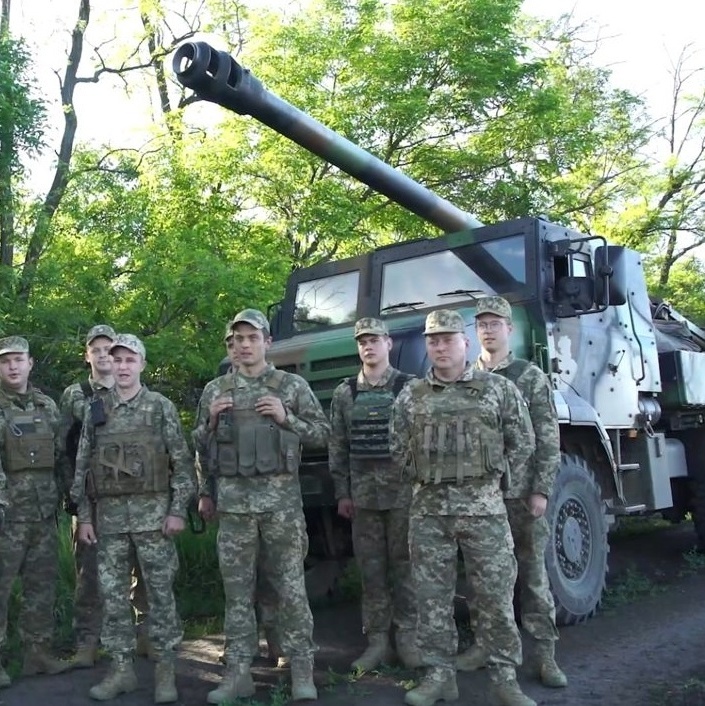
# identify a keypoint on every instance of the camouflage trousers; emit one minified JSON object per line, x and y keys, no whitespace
{"x":278,"y":537}
{"x":87,"y":602}
{"x":158,"y":562}
{"x":490,"y":567}
{"x":30,"y":550}
{"x":381,"y":545}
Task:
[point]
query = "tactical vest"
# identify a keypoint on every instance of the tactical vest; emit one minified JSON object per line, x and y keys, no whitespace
{"x":449,"y":440}
{"x":370,"y":416}
{"x":514,"y":370}
{"x":248,"y":443}
{"x":131,"y":461}
{"x":29,"y":439}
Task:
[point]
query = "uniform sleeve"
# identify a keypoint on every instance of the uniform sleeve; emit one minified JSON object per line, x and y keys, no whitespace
{"x":307,"y":418}
{"x":80,"y":477}
{"x":201,"y":437}
{"x":182,"y":480}
{"x":547,"y":455}
{"x":400,"y":428}
{"x":339,"y":444}
{"x":517,"y":430}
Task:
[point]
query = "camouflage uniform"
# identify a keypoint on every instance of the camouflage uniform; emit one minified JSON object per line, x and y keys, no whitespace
{"x":261,"y":510}
{"x":130,"y":517}
{"x":458,"y":503}
{"x":380,"y":527}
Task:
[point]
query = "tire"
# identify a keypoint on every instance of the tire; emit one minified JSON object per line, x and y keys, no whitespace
{"x":576,"y":555}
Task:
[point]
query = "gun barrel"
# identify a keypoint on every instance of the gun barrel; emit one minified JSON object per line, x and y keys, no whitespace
{"x":217,"y":77}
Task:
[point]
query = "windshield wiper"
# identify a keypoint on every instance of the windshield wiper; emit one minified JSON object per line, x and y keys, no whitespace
{"x":472,"y":293}
{"x":402,"y":305}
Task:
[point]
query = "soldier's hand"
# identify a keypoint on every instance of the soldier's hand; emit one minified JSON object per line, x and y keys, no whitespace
{"x":537,"y":504}
{"x":173,"y":525}
{"x":218,"y":405}
{"x":271,"y":406}
{"x":346,"y":508}
{"x":206,"y":508}
{"x":86,"y":533}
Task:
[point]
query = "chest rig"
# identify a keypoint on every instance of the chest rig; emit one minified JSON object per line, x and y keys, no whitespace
{"x":29,"y":438}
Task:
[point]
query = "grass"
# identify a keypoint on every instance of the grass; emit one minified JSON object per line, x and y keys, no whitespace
{"x":690,"y":693}
{"x":629,"y":587}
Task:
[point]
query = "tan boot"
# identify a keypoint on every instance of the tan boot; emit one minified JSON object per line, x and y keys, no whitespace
{"x":437,"y":685}
{"x":144,"y":646}
{"x":5,"y":680}
{"x":302,"y":686}
{"x":237,"y":683}
{"x":39,"y":660}
{"x":165,"y":681}
{"x":509,"y":693}
{"x":274,"y":650}
{"x":407,"y":651}
{"x":86,"y":656}
{"x":472,"y":659}
{"x":379,"y":651}
{"x":547,"y":670}
{"x":120,"y":679}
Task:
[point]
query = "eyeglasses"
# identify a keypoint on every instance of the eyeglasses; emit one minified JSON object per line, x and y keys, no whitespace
{"x":493,"y":325}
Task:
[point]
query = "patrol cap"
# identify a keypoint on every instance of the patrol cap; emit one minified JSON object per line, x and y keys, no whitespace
{"x":14,"y":344}
{"x":498,"y":306}
{"x":369,"y":326}
{"x":228,"y":331}
{"x":101,"y":330}
{"x":132,"y":343}
{"x":253,"y":317}
{"x":444,"y":321}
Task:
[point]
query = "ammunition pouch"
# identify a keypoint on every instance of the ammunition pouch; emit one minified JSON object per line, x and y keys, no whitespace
{"x":123,"y":467}
{"x":29,"y":440}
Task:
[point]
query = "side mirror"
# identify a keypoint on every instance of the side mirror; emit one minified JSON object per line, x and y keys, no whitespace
{"x":610,"y":275}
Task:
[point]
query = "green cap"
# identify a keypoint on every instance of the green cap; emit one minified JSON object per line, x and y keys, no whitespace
{"x":101,"y":330}
{"x":228,"y":331}
{"x":14,"y":344}
{"x":498,"y":306}
{"x":444,"y":321}
{"x":132,"y":343}
{"x":254,"y":318}
{"x":368,"y":325}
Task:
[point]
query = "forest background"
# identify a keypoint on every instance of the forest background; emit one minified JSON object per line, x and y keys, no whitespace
{"x":504,"y":114}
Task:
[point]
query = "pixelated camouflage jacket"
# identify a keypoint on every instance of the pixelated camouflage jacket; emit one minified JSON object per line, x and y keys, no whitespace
{"x":374,"y":484}
{"x":539,"y":473}
{"x":501,"y":406}
{"x":31,"y":496}
{"x":72,"y":406}
{"x":304,"y":416}
{"x":138,"y":512}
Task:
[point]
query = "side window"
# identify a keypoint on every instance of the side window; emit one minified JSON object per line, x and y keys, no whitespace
{"x":326,"y":302}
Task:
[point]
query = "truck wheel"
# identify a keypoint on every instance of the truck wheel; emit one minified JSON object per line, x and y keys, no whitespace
{"x":576,"y":555}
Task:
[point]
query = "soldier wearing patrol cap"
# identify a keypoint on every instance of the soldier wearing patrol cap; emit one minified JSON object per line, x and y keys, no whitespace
{"x":134,"y":464}
{"x":250,"y":427}
{"x":372,"y":494}
{"x":30,"y":453}
{"x":527,"y":494}
{"x":459,"y":431}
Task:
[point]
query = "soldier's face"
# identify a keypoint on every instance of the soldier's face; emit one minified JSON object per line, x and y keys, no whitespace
{"x":14,"y":371}
{"x":98,"y":355}
{"x":373,"y":349}
{"x":251,"y":344}
{"x":127,"y":368}
{"x":447,"y":351}
{"x":493,"y":332}
{"x":231,"y":352}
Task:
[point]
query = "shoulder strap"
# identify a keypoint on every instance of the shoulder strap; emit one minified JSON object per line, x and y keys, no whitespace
{"x":515,"y":369}
{"x":275,"y":379}
{"x":86,"y":389}
{"x":352,"y":384}
{"x":399,"y":381}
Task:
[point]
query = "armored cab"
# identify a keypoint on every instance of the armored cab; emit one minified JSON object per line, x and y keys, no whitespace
{"x":626,"y":370}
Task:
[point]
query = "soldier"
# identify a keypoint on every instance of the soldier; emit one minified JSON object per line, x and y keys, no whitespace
{"x":30,"y":452}
{"x":87,"y":602}
{"x":460,"y":431}
{"x":132,"y":456}
{"x":528,"y":493}
{"x":372,"y":494}
{"x":251,"y":441}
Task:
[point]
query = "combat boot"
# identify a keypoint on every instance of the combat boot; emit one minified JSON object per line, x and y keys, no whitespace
{"x":509,"y":693}
{"x":86,"y":655}
{"x":547,"y":670}
{"x":39,"y":660}
{"x":165,"y":680}
{"x":407,"y":651}
{"x":379,"y":651}
{"x":438,"y":685}
{"x":302,"y":686}
{"x":5,"y":680}
{"x":120,"y":679}
{"x":472,"y":659}
{"x":236,"y":683}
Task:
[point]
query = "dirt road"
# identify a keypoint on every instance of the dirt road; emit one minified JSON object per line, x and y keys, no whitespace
{"x":646,"y":651}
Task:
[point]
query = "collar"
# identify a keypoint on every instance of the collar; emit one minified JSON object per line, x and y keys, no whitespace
{"x":382,"y":382}
{"x":504,"y":363}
